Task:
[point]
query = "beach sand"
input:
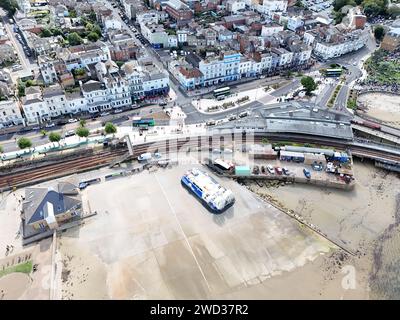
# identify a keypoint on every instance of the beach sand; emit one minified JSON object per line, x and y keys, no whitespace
{"x":359,"y":218}
{"x":14,"y":285}
{"x":148,"y":259}
{"x":385,"y":107}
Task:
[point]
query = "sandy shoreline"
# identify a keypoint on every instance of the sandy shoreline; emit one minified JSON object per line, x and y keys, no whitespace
{"x":357,"y":217}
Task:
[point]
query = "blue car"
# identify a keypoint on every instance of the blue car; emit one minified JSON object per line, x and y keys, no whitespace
{"x":307,"y":173}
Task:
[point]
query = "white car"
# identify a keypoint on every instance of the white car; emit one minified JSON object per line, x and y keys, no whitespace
{"x":72,"y":120}
{"x":270,"y":169}
{"x":117,"y":110}
{"x":103,"y":114}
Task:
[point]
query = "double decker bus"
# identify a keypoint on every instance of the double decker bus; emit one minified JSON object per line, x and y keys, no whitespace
{"x":337,"y":72}
{"x":222,"y":92}
{"x":142,"y":122}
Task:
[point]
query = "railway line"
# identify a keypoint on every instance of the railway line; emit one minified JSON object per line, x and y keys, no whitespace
{"x":33,"y":175}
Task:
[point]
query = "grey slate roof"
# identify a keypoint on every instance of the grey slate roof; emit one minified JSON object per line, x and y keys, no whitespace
{"x":34,"y":206}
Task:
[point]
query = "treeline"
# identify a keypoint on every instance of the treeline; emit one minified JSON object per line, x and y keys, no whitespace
{"x":372,"y":8}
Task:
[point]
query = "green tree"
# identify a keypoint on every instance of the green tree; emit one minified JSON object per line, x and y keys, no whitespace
{"x":92,"y":16}
{"x":110,"y":128}
{"x":45,"y":33}
{"x":24,"y":143}
{"x":379,"y":32}
{"x":43,"y":132}
{"x":373,"y":8}
{"x":21,"y":89}
{"x":309,"y":84}
{"x":78,"y":71}
{"x":74,"y":39}
{"x":1,"y":149}
{"x":96,"y":28}
{"x":93,"y":36}
{"x":339,"y":4}
{"x":30,"y":83}
{"x":82,"y":132}
{"x":82,"y":123}
{"x":72,"y":13}
{"x":10,"y":6}
{"x":54,"y":137}
{"x":338,"y":16}
{"x":299,"y":4}
{"x":394,"y":11}
{"x":57,"y":32}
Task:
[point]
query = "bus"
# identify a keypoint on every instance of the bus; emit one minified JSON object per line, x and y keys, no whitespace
{"x":142,"y":122}
{"x":222,"y":165}
{"x":221,"y":92}
{"x":333,"y":72}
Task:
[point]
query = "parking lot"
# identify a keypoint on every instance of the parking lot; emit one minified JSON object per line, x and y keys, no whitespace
{"x":152,"y":239}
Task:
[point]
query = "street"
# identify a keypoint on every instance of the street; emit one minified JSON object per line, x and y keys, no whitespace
{"x":28,"y":65}
{"x":352,"y":62}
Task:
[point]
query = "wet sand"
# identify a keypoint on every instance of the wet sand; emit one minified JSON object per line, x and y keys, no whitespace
{"x":364,"y":219}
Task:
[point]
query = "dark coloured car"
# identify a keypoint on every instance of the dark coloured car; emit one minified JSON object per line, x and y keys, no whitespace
{"x":307,"y":173}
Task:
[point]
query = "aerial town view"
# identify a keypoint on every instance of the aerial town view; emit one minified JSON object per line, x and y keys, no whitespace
{"x":199,"y":149}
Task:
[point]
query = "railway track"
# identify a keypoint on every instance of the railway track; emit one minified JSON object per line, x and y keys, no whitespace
{"x":55,"y":170}
{"x":34,"y":175}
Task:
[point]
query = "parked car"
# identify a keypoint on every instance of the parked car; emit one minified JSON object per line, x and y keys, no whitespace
{"x":256,"y":170}
{"x":72,"y":120}
{"x":286,"y":171}
{"x":278,"y":170}
{"x":69,"y":133}
{"x":50,"y":125}
{"x":103,"y":114}
{"x":317,"y":167}
{"x":117,"y":110}
{"x":307,"y":173}
{"x":270,"y":169}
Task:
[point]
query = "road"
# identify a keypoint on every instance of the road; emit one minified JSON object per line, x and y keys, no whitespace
{"x":193,"y":116}
{"x":29,"y":66}
{"x":353,"y":62}
{"x":9,"y":141}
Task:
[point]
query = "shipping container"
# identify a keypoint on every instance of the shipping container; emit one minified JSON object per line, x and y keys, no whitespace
{"x":291,"y":156}
{"x":242,"y":171}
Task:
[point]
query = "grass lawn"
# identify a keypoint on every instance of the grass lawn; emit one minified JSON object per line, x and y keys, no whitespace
{"x":23,"y":267}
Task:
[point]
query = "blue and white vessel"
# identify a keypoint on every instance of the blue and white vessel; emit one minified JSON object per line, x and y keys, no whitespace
{"x":210,"y":192}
